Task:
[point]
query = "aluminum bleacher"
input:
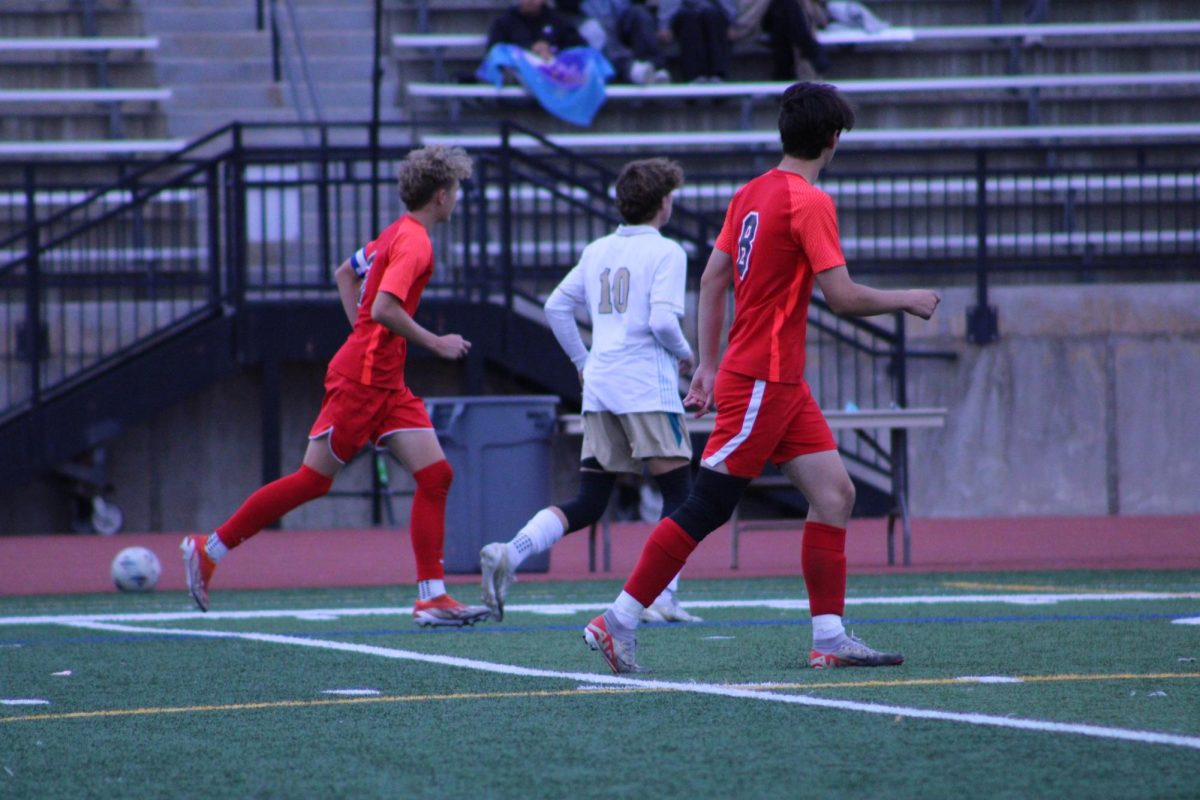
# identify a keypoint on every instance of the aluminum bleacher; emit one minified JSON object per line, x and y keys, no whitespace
{"x":53,"y":46}
{"x":921,"y":137}
{"x":66,"y":95}
{"x":1074,"y":95}
{"x":981,"y":88}
{"x":892,"y":35}
{"x":90,"y":147}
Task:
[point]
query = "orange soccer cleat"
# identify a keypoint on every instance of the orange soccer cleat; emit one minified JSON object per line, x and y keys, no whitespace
{"x":444,"y":610}
{"x":198,"y":567}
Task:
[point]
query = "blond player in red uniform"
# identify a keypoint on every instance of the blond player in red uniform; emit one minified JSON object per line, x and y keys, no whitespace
{"x":366,"y":399}
{"x":779,"y":238}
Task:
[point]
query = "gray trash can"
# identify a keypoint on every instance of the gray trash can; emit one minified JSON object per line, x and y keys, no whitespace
{"x":501,"y":452}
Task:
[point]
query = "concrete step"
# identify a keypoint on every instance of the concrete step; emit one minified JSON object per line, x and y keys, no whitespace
{"x":195,"y":70}
{"x":65,"y":75}
{"x":191,"y":124}
{"x":63,"y":6}
{"x":357,"y":19}
{"x":232,"y":46}
{"x":164,"y":19}
{"x":256,"y":44}
{"x":79,"y":126}
{"x":124,"y":21}
{"x":252,"y":95}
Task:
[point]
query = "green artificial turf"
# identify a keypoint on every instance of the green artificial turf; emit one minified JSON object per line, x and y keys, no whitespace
{"x":151,"y":714}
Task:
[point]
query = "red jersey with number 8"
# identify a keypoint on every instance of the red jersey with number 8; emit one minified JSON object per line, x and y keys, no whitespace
{"x":780,"y":231}
{"x":400,"y":262}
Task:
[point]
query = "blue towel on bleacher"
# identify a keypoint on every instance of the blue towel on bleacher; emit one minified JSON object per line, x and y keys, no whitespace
{"x":571,"y":87}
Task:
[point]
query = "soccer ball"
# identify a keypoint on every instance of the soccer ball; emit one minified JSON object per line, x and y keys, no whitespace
{"x":136,"y":569}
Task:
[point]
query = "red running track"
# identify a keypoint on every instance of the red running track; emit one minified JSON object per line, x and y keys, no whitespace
{"x":71,"y":563}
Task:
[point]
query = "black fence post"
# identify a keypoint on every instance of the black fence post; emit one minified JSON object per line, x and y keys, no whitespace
{"x":235,"y":224}
{"x":900,"y":362}
{"x":506,"y":239}
{"x":982,"y":323}
{"x":213,"y":193}
{"x":276,"y":65}
{"x":323,"y":207}
{"x":482,"y":272}
{"x":899,"y":450}
{"x":376,"y":111}
{"x":34,"y":338}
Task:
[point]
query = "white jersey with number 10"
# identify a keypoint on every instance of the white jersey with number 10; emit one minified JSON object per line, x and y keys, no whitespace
{"x":620,"y":278}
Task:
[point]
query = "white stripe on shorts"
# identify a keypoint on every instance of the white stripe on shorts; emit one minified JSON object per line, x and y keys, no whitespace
{"x":756,"y":396}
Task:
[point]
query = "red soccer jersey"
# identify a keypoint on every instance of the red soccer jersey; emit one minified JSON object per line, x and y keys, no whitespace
{"x":400,"y":262}
{"x":780,"y":231}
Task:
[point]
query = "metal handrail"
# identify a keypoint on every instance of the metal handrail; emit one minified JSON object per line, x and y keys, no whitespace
{"x":523,"y":221}
{"x":301,"y":56}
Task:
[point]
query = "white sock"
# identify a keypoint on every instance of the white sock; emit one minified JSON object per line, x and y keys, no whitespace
{"x":538,"y":536}
{"x":215,"y":547}
{"x":627,"y":610}
{"x":427,"y":590}
{"x":827,"y":628}
{"x":668,"y":594}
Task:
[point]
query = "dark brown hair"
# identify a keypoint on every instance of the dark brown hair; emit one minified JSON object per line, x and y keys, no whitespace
{"x":643,"y":184}
{"x":810,"y":115}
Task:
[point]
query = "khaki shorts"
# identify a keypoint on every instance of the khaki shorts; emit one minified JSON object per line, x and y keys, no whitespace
{"x":620,"y":441}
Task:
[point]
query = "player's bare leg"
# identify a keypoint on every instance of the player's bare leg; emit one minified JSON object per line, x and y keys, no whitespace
{"x":421,"y":453}
{"x":313,"y":479}
{"x":823,"y":480}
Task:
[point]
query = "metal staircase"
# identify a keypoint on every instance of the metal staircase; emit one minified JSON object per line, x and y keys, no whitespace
{"x":220,"y":258}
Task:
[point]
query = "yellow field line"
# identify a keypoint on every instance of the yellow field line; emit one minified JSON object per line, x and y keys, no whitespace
{"x":411,"y":698}
{"x":967,"y":681}
{"x":419,"y":698}
{"x":1023,"y":587}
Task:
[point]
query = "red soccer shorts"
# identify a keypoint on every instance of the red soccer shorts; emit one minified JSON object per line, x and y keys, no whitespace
{"x":355,"y":413}
{"x":759,"y":421}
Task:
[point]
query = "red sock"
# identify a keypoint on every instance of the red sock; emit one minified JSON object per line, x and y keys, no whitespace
{"x":664,"y":554}
{"x":823,"y":562}
{"x":271,"y":502}
{"x":428,"y":523}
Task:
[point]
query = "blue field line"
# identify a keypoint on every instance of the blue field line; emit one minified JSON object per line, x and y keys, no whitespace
{"x":576,"y":627}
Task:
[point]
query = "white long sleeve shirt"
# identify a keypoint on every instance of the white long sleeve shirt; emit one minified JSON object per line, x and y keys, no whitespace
{"x":632,"y":283}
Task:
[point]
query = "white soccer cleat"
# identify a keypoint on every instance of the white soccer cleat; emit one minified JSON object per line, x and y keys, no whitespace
{"x":617,"y":644}
{"x":667,"y":609}
{"x":853,"y":652}
{"x":497,"y":576}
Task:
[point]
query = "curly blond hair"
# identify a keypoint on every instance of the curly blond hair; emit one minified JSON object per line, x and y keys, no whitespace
{"x":424,"y":171}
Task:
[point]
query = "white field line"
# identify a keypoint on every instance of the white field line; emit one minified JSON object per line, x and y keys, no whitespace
{"x":988,"y":720}
{"x":569,"y":609}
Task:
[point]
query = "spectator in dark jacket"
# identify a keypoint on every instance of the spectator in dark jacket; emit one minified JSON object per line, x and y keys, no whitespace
{"x":702,"y":29}
{"x":530,"y":24}
{"x":626,"y":33}
{"x":790,"y":24}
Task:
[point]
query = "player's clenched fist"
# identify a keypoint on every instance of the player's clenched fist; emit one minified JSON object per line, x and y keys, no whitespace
{"x":922,"y":302}
{"x":451,"y":346}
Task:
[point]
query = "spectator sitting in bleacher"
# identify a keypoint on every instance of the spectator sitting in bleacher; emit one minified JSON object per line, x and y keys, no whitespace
{"x":702,"y":29}
{"x":532,"y":25}
{"x":544,"y":51}
{"x":844,"y":14}
{"x":790,"y":29}
{"x":625,"y":33}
